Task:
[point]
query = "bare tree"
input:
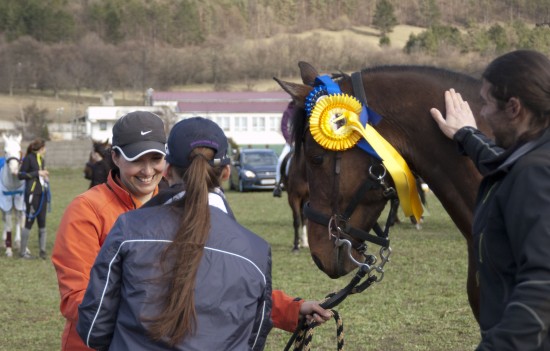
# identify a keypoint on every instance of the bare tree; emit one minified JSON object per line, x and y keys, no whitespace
{"x":32,"y":122}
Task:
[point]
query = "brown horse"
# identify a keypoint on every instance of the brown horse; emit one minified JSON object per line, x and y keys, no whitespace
{"x":403,"y":96}
{"x":297,"y":189}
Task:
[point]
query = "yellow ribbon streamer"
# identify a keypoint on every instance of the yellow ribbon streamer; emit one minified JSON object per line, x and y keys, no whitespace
{"x":335,"y":125}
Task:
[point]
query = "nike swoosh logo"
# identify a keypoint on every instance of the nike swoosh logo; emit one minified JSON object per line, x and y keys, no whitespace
{"x":145,"y":133}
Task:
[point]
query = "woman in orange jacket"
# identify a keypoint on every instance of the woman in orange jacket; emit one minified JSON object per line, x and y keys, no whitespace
{"x":138,"y":155}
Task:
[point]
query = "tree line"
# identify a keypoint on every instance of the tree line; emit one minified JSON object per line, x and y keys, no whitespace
{"x":180,"y":23}
{"x":105,"y":45}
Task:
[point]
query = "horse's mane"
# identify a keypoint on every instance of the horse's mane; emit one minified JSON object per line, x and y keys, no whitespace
{"x":426,"y":70}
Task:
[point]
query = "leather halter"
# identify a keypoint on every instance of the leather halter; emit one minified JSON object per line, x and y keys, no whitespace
{"x":13,"y":158}
{"x":338,"y":223}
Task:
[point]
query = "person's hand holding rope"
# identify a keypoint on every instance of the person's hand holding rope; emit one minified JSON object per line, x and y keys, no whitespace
{"x":313,"y":312}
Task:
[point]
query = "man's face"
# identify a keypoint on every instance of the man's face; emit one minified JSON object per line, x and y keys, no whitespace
{"x":498,"y":120}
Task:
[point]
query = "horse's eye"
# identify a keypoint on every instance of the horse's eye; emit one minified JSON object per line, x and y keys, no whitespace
{"x":317,"y":159}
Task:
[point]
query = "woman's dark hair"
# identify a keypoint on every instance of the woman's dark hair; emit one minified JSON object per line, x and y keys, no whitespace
{"x":109,"y":158}
{"x":36,"y":145}
{"x":524,"y":74}
{"x":182,"y":257}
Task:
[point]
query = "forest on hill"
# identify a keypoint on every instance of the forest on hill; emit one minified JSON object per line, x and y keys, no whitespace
{"x":57,"y":45}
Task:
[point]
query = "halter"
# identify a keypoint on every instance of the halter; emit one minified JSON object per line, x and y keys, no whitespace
{"x":337,"y":223}
{"x":11,"y":184}
{"x":13,"y":158}
{"x":11,"y":155}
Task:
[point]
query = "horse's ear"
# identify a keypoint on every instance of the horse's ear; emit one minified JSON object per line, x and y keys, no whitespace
{"x":4,"y":137}
{"x":19,"y":138}
{"x":308,"y":73}
{"x":298,"y":92}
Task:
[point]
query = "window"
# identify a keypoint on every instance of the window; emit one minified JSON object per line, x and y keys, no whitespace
{"x":258,"y":124}
{"x":273,"y":124}
{"x":241,"y":124}
{"x":103,"y":125}
{"x":223,"y":122}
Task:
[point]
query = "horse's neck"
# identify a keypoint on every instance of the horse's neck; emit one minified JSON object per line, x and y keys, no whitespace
{"x":451,"y":177}
{"x":456,"y":189}
{"x":9,"y":180}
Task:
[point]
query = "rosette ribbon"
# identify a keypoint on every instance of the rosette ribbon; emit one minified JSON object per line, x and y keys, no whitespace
{"x":339,"y":122}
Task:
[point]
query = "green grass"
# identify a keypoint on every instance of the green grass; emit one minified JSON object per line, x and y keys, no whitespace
{"x":420,"y":304}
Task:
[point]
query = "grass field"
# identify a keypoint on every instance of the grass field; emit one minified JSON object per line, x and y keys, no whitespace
{"x":420,"y":305}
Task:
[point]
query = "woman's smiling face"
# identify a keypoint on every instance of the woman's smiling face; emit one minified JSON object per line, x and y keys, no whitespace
{"x":141,"y":176}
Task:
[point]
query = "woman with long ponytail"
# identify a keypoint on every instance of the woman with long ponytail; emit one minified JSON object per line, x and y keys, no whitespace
{"x":183,"y":274}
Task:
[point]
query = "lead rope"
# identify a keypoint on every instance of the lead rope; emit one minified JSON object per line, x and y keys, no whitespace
{"x":303,"y":334}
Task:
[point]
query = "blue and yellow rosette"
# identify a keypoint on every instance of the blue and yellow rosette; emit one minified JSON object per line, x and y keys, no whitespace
{"x":335,"y":125}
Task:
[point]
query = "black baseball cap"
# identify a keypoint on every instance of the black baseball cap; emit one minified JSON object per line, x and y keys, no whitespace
{"x":194,"y":132}
{"x":138,"y":133}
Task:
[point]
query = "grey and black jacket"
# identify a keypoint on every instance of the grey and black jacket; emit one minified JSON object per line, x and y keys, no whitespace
{"x":512,"y":242}
{"x":232,"y":293}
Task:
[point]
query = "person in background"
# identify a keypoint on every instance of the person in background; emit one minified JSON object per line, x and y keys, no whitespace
{"x":511,"y":226}
{"x":200,"y":281}
{"x":285,"y":130}
{"x":98,"y":166}
{"x":138,"y":155}
{"x":33,"y":171}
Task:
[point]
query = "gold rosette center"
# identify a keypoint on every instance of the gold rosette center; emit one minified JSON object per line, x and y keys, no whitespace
{"x":334,"y":122}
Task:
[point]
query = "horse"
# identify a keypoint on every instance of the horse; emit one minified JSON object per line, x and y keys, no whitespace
{"x":98,"y":165}
{"x":293,"y":175}
{"x":403,"y":97}
{"x":12,"y":192}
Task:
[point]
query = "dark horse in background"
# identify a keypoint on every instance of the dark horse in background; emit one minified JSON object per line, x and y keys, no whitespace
{"x":98,"y":165}
{"x":403,"y":96}
{"x":295,"y":183}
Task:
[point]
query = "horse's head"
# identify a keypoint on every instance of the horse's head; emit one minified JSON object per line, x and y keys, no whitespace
{"x":336,"y":204}
{"x":101,"y":147}
{"x":12,"y":152}
{"x":346,"y":179}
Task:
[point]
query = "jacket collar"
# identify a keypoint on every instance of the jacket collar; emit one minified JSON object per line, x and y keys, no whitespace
{"x":505,"y":161}
{"x":114,"y":184}
{"x":216,"y":198}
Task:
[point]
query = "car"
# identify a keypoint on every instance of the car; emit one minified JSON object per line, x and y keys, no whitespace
{"x":253,"y":169}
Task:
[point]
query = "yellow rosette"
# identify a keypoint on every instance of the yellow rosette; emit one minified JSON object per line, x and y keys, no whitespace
{"x":335,"y":125}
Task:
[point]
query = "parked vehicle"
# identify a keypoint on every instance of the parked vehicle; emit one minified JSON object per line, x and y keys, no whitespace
{"x":253,"y":169}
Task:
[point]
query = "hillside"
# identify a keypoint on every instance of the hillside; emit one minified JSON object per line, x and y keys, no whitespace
{"x":70,"y":104}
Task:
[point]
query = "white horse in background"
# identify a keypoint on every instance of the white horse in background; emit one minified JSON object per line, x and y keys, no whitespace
{"x":12,"y":192}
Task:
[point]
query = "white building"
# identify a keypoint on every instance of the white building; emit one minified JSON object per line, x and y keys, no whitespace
{"x":99,"y":120}
{"x":248,"y":118}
